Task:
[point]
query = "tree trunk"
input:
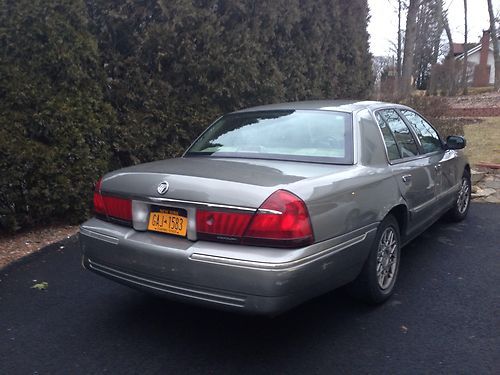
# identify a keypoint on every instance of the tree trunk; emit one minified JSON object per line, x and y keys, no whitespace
{"x":398,"y":59}
{"x":446,"y":26}
{"x":438,"y":8}
{"x":450,"y":57}
{"x":409,"y":48}
{"x":464,"y":67}
{"x":494,"y":39}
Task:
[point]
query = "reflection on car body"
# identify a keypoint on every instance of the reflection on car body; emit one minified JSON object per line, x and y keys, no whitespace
{"x":274,"y":205}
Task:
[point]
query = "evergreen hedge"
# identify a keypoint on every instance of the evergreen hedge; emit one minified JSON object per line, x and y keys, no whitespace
{"x":53,"y":118}
{"x":92,"y":85}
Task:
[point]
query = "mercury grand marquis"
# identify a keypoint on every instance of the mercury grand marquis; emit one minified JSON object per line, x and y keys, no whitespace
{"x":276,"y":204}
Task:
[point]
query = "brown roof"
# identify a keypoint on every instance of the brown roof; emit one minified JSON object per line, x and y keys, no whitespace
{"x":458,"y":48}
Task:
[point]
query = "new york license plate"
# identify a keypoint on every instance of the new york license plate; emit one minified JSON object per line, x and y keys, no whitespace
{"x":168,"y":220}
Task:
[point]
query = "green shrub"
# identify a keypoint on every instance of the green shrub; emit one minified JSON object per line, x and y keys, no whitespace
{"x":92,"y":85}
{"x":53,"y":123}
{"x":174,"y":66}
{"x":432,"y":107}
{"x":436,"y":110}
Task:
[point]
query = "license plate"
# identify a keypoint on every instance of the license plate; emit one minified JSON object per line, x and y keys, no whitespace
{"x":171,"y":221}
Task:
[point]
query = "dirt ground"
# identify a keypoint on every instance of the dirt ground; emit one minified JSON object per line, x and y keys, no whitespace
{"x":483,"y":100}
{"x":13,"y":247}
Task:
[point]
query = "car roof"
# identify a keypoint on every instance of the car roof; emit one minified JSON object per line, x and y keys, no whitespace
{"x":328,"y":105}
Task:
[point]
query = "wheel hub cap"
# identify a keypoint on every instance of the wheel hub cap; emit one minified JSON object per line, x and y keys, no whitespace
{"x":387,"y":258}
{"x":463,"y":196}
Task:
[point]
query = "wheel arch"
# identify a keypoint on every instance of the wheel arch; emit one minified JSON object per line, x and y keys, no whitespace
{"x":400,"y":213}
{"x":467,"y":169}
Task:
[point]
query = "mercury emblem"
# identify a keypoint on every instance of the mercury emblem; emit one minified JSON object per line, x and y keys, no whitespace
{"x":162,"y":187}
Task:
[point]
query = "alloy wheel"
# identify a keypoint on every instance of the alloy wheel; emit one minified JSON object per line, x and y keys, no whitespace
{"x":387,"y":258}
{"x":463,"y":196}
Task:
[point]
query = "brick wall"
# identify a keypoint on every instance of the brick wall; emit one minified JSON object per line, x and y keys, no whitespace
{"x":482,"y":70}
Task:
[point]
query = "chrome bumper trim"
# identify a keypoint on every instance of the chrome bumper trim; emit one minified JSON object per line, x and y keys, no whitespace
{"x":283,"y":266}
{"x":99,"y":236}
{"x":201,"y":204}
{"x":182,"y":291}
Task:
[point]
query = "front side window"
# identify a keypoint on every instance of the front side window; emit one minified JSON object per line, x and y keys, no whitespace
{"x":402,"y":134}
{"x":425,"y":132}
{"x":301,"y":135}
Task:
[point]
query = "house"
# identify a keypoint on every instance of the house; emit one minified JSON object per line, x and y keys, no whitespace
{"x":458,"y":48}
{"x":481,"y":61}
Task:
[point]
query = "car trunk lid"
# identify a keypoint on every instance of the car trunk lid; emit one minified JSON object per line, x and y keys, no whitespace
{"x":234,"y":182}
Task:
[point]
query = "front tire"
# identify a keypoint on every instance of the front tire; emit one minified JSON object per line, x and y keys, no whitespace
{"x":378,"y":277}
{"x":461,"y":206}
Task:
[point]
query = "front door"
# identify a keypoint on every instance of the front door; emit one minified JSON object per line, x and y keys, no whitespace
{"x":443,"y":161}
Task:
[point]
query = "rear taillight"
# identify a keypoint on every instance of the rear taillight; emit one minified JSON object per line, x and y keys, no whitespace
{"x":221,"y":224}
{"x":111,"y":207}
{"x":99,"y":208}
{"x":281,"y":221}
{"x":118,"y":208}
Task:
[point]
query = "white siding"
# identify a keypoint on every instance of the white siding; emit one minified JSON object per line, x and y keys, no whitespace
{"x":491,"y":63}
{"x":473,"y":59}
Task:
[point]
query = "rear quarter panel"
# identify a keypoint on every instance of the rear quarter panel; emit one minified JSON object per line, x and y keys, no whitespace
{"x":342,"y":202}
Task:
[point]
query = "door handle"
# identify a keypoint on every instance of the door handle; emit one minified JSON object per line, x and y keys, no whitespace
{"x":406,"y":178}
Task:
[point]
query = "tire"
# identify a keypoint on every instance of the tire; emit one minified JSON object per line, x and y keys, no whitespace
{"x":461,"y":206}
{"x":377,"y":279}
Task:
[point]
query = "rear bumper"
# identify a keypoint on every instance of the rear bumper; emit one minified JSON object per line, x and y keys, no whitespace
{"x":240,"y":278}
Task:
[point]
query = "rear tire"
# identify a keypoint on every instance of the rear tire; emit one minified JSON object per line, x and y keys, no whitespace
{"x":461,"y":206}
{"x":377,"y":279}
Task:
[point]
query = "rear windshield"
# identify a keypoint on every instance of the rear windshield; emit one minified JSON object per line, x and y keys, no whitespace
{"x":299,"y":135}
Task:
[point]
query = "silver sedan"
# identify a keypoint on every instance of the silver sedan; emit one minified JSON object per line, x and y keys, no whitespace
{"x":274,"y":205}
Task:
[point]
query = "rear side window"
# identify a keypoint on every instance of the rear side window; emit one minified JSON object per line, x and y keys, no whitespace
{"x":402,"y":135}
{"x":425,"y":132}
{"x":390,"y":142}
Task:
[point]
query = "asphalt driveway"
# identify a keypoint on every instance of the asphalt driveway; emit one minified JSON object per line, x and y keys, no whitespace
{"x":444,"y":318}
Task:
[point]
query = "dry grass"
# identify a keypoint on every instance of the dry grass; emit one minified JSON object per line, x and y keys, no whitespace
{"x":483,"y":140}
{"x":480,"y":90}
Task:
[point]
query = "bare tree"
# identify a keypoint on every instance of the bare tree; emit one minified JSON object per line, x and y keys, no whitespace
{"x":440,"y":27}
{"x":409,"y":48}
{"x":450,"y":59}
{"x":464,"y":67}
{"x":444,"y":75}
{"x":494,"y":39}
{"x":446,"y":26}
{"x":398,"y":50}
{"x":380,"y":64}
{"x":428,"y":40}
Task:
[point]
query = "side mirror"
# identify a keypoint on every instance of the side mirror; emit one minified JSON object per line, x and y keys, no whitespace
{"x":455,"y":142}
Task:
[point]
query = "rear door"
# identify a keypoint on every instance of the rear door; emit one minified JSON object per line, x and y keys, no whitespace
{"x":414,"y":172}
